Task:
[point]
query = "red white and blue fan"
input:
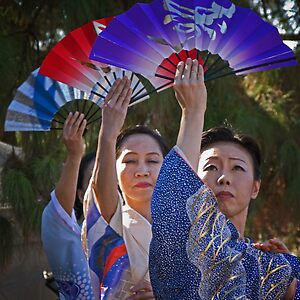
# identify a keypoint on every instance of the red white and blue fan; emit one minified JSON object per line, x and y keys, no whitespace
{"x":68,"y":62}
{"x":41,"y":104}
{"x":151,"y":39}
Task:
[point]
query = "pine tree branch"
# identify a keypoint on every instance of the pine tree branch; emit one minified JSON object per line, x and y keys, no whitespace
{"x":291,"y":36}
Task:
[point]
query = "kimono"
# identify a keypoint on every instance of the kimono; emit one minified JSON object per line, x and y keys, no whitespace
{"x":118,"y":251}
{"x":197,"y":253}
{"x":61,"y":237}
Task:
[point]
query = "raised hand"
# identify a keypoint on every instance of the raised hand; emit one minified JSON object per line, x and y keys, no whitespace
{"x":65,"y":189}
{"x":73,"y":130}
{"x":190,"y":92}
{"x":115,"y":108}
{"x":113,"y":116}
{"x":189,"y":86}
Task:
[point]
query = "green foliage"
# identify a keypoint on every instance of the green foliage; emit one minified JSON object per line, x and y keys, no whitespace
{"x":6,"y":242}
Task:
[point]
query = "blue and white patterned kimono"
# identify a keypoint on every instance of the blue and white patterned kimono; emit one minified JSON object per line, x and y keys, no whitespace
{"x":61,"y":236}
{"x":196,"y":252}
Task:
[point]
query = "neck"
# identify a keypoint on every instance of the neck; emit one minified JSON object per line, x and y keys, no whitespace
{"x":143,"y":208}
{"x":239,"y":221}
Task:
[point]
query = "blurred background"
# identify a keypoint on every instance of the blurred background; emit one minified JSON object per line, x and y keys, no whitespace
{"x":265,"y":105}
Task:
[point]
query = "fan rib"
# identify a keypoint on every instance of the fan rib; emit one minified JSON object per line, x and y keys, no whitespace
{"x":108,"y":82}
{"x":251,"y":68}
{"x":97,"y":94}
{"x":154,"y":90}
{"x":166,"y":69}
{"x":102,"y":87}
{"x":94,"y":113}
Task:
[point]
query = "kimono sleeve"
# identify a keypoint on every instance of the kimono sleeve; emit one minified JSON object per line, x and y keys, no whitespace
{"x":196,"y":252}
{"x":107,"y":254}
{"x":62,"y":244}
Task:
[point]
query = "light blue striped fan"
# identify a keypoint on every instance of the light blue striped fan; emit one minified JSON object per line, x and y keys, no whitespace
{"x":42,"y":104}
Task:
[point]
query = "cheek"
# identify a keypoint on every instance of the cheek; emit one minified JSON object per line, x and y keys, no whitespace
{"x":207,"y":178}
{"x":155,"y":172}
{"x":123,"y":172}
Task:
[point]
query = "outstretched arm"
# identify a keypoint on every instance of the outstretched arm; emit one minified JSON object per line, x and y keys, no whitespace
{"x":113,"y":116}
{"x":65,"y":190}
{"x":190,"y":92}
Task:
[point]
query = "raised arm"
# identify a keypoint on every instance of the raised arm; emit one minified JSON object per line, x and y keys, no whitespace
{"x":65,"y":190}
{"x":191,"y":94}
{"x":105,"y":177}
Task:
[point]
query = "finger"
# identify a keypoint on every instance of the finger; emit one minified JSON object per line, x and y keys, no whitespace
{"x":200,"y":73}
{"x":179,"y":72}
{"x":120,"y":88}
{"x":117,"y":93}
{"x":82,"y":127}
{"x":66,"y":124}
{"x":70,"y":123}
{"x":127,"y":98}
{"x":77,"y":123}
{"x":187,"y":69}
{"x":73,"y":119}
{"x":124,"y":92}
{"x":194,"y":69}
{"x":112,"y":90}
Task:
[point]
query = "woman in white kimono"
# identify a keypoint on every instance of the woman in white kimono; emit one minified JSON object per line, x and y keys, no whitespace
{"x":118,"y":226}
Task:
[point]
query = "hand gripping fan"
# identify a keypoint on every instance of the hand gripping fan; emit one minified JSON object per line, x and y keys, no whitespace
{"x":41,"y":104}
{"x":151,"y":39}
{"x":68,"y":62}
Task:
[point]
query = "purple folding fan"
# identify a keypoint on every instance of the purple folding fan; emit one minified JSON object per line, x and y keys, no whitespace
{"x":151,"y":39}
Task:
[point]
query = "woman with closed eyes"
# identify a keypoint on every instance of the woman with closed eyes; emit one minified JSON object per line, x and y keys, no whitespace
{"x":118,"y":213}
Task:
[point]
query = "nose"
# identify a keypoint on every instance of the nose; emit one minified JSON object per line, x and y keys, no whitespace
{"x":142,"y":171}
{"x":224,"y":180}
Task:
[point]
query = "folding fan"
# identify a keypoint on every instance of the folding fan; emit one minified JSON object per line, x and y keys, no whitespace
{"x":151,"y":39}
{"x":40,"y":104}
{"x":68,"y":62}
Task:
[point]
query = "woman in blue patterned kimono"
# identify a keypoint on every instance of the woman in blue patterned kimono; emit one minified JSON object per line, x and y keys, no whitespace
{"x":61,"y":233}
{"x":198,"y":250}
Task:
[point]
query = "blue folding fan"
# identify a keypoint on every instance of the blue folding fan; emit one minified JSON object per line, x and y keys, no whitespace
{"x":42,"y":104}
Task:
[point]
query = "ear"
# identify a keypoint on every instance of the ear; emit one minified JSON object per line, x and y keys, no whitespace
{"x":255,"y":188}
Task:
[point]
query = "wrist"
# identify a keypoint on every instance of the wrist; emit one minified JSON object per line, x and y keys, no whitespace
{"x":193,"y":113}
{"x":75,"y":158}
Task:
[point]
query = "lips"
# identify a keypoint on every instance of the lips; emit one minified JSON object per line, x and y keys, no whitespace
{"x":224,"y":195}
{"x":143,"y":185}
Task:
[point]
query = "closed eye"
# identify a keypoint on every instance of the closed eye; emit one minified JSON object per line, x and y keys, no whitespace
{"x":130,"y":161}
{"x":210,"y":168}
{"x":238,"y":168}
{"x":153,"y":161}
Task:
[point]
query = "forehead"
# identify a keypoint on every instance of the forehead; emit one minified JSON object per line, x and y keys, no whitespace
{"x":140,"y":143}
{"x":225,"y":150}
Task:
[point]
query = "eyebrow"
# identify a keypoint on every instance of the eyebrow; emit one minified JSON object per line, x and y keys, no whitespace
{"x":231,"y":158}
{"x":150,"y":153}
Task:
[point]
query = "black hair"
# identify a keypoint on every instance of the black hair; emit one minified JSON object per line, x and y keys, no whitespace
{"x":78,"y":206}
{"x":141,"y":129}
{"x":227,"y":134}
